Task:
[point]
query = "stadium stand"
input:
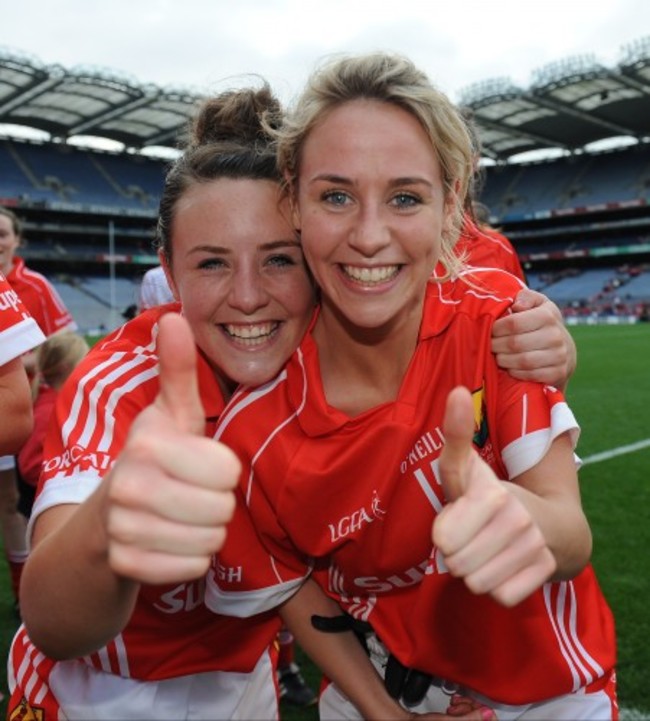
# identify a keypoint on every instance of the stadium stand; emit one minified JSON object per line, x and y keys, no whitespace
{"x":580,"y":221}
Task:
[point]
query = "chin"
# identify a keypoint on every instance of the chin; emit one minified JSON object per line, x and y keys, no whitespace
{"x":256,"y":376}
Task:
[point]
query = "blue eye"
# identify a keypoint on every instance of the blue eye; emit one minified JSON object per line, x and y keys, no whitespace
{"x":406,"y":200}
{"x":335,"y":197}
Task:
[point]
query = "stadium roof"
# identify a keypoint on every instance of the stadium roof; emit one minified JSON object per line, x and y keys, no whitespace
{"x":569,"y":104}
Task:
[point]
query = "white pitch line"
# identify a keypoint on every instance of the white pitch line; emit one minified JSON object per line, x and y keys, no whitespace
{"x":620,"y":451}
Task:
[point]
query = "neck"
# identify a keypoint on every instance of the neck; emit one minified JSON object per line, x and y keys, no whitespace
{"x":360,"y":367}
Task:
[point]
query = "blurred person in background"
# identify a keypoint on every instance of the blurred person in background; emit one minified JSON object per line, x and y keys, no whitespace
{"x":19,"y":334}
{"x":48,"y":310}
{"x":154,"y":289}
{"x":56,"y":358}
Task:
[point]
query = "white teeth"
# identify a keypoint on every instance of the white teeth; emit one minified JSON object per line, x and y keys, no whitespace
{"x":251,"y":333}
{"x":377,"y":274}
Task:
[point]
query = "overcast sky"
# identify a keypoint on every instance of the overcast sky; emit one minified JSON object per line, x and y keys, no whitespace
{"x":207,"y":45}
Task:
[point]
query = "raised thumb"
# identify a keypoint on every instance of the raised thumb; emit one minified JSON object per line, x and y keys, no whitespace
{"x":458,"y":430}
{"x":178,"y":396}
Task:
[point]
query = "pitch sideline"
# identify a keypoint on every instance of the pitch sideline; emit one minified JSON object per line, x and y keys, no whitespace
{"x":620,"y":451}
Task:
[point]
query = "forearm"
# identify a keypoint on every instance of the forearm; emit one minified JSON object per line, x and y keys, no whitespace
{"x":339,"y":655}
{"x":565,"y":531}
{"x":72,"y":603}
{"x":556,"y":509}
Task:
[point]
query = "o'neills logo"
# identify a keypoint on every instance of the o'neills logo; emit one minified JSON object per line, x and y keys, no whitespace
{"x":427,"y":444}
{"x":77,"y":458}
{"x":356,"y":520}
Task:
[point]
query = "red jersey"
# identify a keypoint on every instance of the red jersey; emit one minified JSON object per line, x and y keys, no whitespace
{"x":171,"y":633}
{"x":30,"y":456}
{"x":356,"y":499}
{"x":19,"y":332}
{"x":484,"y":247}
{"x":40,"y":298}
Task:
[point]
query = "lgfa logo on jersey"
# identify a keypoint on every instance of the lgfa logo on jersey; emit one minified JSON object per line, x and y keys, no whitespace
{"x":354,"y":522}
{"x":480,"y":417}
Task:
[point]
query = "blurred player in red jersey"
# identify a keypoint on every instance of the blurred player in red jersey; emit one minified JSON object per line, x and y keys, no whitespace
{"x":48,"y":310}
{"x":56,"y":358}
{"x":434,"y":497}
{"x":37,"y":293}
{"x":19,"y":334}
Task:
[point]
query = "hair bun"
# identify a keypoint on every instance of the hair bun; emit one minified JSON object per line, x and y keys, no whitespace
{"x":242,"y":116}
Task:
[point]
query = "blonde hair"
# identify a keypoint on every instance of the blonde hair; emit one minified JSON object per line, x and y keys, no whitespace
{"x":57,"y":357}
{"x":389,"y":78}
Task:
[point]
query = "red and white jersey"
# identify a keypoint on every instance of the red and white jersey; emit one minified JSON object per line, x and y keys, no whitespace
{"x":355,"y":499}
{"x":40,"y":298}
{"x":485,"y":247}
{"x":19,"y":332}
{"x":171,"y":632}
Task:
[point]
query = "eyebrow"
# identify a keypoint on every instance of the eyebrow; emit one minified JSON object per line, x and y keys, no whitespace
{"x":395,"y":182}
{"x":220,"y":250}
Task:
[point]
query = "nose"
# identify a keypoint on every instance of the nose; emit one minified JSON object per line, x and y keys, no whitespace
{"x":247,"y":291}
{"x":370,"y":232}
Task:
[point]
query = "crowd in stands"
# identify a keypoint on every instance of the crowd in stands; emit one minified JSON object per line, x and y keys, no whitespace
{"x":622,"y":292}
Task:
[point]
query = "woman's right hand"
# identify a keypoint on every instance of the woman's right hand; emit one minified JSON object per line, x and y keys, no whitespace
{"x":170,"y":493}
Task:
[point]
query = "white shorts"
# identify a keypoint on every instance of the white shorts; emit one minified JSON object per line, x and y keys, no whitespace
{"x":86,"y":694}
{"x":596,"y":705}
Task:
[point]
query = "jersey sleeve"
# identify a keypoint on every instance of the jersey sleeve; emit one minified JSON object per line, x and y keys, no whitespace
{"x":530,"y":417}
{"x":251,"y":575}
{"x":19,"y":332}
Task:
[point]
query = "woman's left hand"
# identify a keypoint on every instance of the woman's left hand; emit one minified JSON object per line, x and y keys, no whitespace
{"x":485,"y":533}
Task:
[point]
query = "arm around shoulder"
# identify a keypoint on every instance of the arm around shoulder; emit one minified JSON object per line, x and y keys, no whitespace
{"x":532,"y":343}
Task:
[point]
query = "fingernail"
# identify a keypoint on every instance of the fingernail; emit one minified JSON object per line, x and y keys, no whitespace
{"x":487,"y":714}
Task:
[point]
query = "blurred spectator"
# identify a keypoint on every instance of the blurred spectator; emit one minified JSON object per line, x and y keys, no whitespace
{"x":154,"y":289}
{"x":36,"y":292}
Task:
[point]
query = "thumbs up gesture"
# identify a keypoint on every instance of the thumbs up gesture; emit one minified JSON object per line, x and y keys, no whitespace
{"x":170,"y":493}
{"x":486,"y":533}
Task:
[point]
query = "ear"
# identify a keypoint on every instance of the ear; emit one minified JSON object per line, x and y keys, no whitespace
{"x":162,"y":259}
{"x":452,"y":203}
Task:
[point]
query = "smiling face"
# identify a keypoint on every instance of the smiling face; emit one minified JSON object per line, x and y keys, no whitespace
{"x":371,"y":207}
{"x":9,"y":243}
{"x":239,"y":272}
